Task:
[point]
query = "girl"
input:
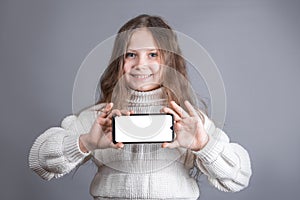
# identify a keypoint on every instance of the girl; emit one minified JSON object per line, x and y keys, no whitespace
{"x":146,"y":74}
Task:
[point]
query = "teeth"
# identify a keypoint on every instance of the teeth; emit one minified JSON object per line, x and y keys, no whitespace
{"x":141,"y":76}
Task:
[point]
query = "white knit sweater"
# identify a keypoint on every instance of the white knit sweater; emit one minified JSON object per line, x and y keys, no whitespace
{"x":142,"y":171}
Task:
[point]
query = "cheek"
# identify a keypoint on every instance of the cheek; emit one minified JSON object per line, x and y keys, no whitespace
{"x":155,"y":68}
{"x":156,"y":65}
{"x":126,"y":67}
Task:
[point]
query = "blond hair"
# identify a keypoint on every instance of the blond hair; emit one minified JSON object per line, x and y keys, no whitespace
{"x":176,"y":89}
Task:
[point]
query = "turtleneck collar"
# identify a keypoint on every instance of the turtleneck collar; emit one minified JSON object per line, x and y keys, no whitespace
{"x":146,"y":102}
{"x":144,"y":97}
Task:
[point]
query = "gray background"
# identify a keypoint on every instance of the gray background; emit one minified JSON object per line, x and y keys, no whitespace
{"x":254,"y":43}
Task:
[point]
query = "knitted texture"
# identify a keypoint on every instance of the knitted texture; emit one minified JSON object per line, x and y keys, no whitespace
{"x":142,"y":171}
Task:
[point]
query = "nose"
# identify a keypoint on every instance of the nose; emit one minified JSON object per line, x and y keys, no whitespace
{"x":142,"y":60}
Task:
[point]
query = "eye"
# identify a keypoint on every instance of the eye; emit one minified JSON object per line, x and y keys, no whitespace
{"x":130,"y":55}
{"x":153,"y":55}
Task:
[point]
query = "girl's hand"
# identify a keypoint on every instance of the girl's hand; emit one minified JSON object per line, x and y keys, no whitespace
{"x":100,"y":135}
{"x":188,"y":127}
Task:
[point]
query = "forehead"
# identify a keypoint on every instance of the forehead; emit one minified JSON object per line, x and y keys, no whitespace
{"x":142,"y":39}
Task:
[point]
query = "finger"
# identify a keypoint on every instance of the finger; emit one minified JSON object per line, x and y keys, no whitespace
{"x":109,"y":106}
{"x":114,"y":113}
{"x":179,"y":110}
{"x":118,"y":145}
{"x":104,"y":121}
{"x":117,"y":112}
{"x":125,"y":112}
{"x":107,"y":130}
{"x":101,"y":120}
{"x":106,"y":110}
{"x":171,"y":145}
{"x":191,"y":109}
{"x":170,"y":111}
{"x":177,"y":127}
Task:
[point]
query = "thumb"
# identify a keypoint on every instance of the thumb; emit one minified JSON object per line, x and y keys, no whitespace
{"x":109,"y":106}
{"x":171,"y":145}
{"x":119,"y":145}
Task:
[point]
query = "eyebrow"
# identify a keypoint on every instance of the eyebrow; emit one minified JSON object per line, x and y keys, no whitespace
{"x":142,"y":49}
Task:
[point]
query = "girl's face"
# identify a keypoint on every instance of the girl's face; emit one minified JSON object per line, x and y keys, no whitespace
{"x":142,"y":62}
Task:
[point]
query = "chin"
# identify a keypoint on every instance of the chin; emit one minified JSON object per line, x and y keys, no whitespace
{"x":147,"y":89}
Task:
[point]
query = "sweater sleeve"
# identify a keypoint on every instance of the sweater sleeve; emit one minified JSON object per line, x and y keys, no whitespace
{"x":56,"y":152}
{"x":227,"y":165}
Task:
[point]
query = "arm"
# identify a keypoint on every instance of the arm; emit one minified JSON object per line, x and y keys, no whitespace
{"x":227,"y":165}
{"x":56,"y":152}
{"x":60,"y":149}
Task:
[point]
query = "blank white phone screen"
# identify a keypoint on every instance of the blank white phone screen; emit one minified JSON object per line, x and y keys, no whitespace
{"x":144,"y":128}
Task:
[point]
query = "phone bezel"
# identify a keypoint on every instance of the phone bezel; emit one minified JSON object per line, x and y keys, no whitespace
{"x":143,"y":142}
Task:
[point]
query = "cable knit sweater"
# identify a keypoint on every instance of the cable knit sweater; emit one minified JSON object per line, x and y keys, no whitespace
{"x":142,"y":171}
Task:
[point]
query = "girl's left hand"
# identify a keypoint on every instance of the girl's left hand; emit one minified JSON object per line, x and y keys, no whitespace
{"x":188,"y":126}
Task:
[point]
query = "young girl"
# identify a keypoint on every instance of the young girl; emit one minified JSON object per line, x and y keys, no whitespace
{"x":146,"y":74}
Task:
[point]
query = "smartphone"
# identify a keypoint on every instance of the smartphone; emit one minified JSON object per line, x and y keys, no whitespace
{"x":143,"y":128}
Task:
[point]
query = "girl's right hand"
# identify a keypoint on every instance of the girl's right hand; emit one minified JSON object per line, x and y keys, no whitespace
{"x":100,"y":135}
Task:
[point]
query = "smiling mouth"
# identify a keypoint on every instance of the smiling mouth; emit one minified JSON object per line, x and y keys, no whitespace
{"x":138,"y":76}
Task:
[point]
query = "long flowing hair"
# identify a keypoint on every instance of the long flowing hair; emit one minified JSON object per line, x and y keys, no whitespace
{"x":175,"y":82}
